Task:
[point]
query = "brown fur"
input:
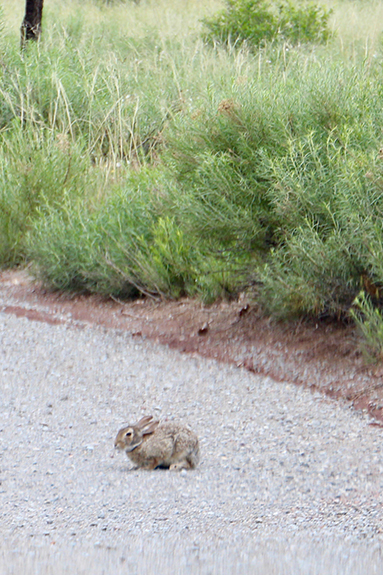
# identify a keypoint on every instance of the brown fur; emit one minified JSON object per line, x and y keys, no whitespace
{"x":150,"y":444}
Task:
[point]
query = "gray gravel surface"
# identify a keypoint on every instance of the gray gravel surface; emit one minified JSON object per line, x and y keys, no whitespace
{"x":289,"y":481}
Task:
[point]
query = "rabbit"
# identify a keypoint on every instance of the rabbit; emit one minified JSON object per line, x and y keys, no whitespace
{"x":150,"y":444}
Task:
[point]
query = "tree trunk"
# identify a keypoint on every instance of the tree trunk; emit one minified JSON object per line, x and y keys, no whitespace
{"x":31,"y":26}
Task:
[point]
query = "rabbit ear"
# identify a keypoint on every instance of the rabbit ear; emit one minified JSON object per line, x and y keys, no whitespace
{"x":151,"y":428}
{"x":144,"y":421}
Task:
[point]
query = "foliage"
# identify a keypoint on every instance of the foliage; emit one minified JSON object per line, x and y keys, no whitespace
{"x":141,"y":162}
{"x":369,"y":320}
{"x":285,"y":177}
{"x":36,"y":172}
{"x":124,"y":246}
{"x":259,"y":21}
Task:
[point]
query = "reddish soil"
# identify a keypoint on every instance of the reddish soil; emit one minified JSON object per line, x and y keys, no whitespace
{"x":321,"y":356}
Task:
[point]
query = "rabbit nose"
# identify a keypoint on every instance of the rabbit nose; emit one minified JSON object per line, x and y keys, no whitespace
{"x":116,"y":448}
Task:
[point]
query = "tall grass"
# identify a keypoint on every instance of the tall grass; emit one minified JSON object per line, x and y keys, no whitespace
{"x":38,"y":170}
{"x":358,"y":26}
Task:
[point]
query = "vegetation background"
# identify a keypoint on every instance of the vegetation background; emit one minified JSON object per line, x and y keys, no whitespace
{"x":164,"y":149}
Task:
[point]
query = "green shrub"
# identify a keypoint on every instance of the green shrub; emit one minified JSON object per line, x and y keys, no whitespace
{"x":369,"y":320}
{"x":283,"y":178}
{"x":310,"y":275}
{"x":37,"y":171}
{"x":128,"y":244}
{"x":258,"y":21}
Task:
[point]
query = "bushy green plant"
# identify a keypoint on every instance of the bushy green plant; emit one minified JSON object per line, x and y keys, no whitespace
{"x":126,"y":245}
{"x":310,"y":275}
{"x":369,"y":320}
{"x":242,"y":20}
{"x":285,"y":178}
{"x":301,"y":22}
{"x":37,"y":171}
{"x":259,"y":21}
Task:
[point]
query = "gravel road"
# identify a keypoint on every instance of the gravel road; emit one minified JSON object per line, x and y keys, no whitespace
{"x":287,"y":477}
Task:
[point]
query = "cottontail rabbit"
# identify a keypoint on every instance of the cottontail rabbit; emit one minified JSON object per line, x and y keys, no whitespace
{"x":150,"y":444}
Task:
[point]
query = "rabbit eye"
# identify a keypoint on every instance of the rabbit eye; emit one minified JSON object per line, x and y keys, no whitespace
{"x":128,"y":434}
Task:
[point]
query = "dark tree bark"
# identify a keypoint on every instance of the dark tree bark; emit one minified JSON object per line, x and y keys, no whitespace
{"x":31,"y":26}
